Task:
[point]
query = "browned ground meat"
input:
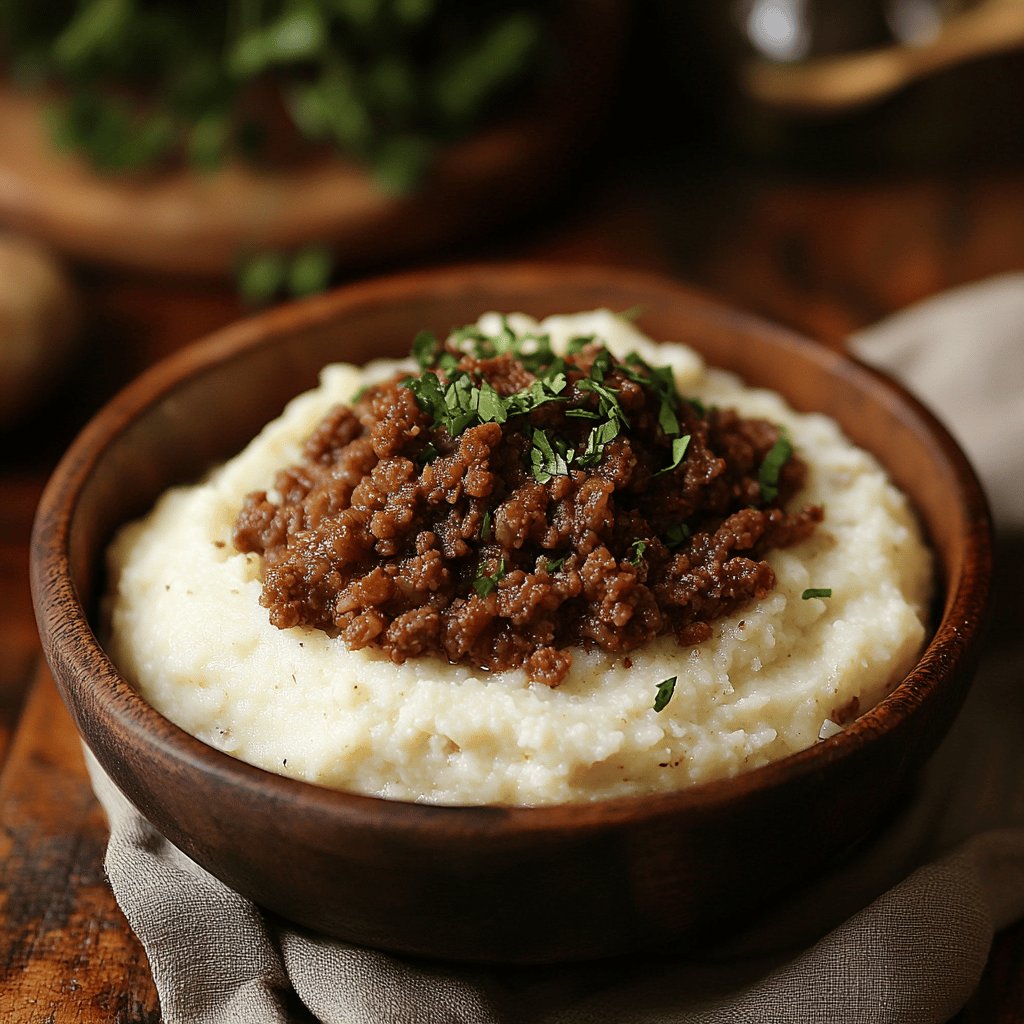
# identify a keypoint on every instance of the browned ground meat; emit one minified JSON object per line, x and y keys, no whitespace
{"x":575,"y":500}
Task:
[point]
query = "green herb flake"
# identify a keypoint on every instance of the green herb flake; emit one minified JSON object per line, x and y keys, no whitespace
{"x":535,"y":353}
{"x":679,"y":446}
{"x":552,"y":565}
{"x":582,"y":414}
{"x":429,"y":453}
{"x":666,"y":688}
{"x":485,"y":526}
{"x":470,"y":332}
{"x":485,"y":584}
{"x":447,"y":361}
{"x":505,"y":340}
{"x":537,"y":394}
{"x":597,"y":440}
{"x":607,"y":400}
{"x":489,"y":406}
{"x":425,"y":348}
{"x":662,"y":381}
{"x":578,"y":344}
{"x":428,"y":391}
{"x":549,"y":459}
{"x":601,"y":365}
{"x":667,"y":419}
{"x":550,"y":369}
{"x":768,"y":475}
{"x":636,"y":551}
{"x":676,"y":536}
{"x":460,"y":405}
{"x":816,"y":592}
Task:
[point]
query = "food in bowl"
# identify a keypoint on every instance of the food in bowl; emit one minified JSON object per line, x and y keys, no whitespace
{"x":296,"y":649}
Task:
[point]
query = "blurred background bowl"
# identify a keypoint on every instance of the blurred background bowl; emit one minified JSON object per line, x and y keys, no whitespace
{"x":366,"y":147}
{"x":494,"y":883}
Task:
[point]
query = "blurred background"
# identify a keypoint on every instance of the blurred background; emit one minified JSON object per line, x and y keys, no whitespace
{"x":166,"y":167}
{"x":169,"y":166}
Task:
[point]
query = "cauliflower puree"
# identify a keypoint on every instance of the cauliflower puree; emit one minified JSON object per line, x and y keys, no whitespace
{"x":187,"y":628}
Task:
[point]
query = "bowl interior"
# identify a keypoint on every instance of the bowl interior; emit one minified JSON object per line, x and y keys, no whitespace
{"x":204,"y":404}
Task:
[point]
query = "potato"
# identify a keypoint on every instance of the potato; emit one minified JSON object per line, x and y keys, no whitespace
{"x":39,"y":316}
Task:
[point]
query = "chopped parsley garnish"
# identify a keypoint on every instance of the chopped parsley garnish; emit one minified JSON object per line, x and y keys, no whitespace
{"x":768,"y":475}
{"x":489,"y":406}
{"x":679,"y":446}
{"x":429,"y":453}
{"x":484,"y":584}
{"x":457,"y":400}
{"x":552,"y":565}
{"x":544,"y":389}
{"x":459,"y":403}
{"x":667,"y":419}
{"x":636,"y":551}
{"x":816,"y":592}
{"x":666,"y":688}
{"x":578,"y":344}
{"x":676,"y":536}
{"x":470,"y":332}
{"x":485,"y":526}
{"x":601,"y":365}
{"x":425,"y":349}
{"x":549,"y":458}
{"x":608,"y":405}
{"x":662,"y":381}
{"x":532,"y":350}
{"x":596,"y":441}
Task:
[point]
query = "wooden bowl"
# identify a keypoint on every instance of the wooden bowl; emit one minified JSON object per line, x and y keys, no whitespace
{"x":494,"y":883}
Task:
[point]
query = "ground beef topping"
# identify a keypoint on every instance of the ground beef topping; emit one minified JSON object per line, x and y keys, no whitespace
{"x":508,"y":503}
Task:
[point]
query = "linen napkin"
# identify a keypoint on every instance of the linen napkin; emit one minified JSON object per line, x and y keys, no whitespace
{"x":899,"y":934}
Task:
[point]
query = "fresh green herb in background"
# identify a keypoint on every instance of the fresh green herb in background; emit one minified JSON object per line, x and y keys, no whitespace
{"x":384,"y":81}
{"x":264,"y":276}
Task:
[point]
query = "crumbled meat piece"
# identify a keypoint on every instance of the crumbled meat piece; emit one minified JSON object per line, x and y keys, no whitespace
{"x":505,"y":538}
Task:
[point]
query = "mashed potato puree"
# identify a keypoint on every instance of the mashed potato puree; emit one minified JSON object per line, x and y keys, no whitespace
{"x":187,"y":628}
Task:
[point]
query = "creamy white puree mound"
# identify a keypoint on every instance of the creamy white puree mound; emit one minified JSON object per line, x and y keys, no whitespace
{"x":188,"y":629}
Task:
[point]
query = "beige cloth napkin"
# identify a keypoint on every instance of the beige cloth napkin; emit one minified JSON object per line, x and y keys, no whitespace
{"x":899,"y":934}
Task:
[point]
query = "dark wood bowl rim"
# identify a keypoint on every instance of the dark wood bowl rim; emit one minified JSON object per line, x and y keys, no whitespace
{"x":80,"y":657}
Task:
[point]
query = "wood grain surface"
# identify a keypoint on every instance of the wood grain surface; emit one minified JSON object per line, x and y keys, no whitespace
{"x":67,"y":953}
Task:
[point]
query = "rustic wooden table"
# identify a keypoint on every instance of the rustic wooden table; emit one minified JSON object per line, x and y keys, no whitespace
{"x":823,"y":256}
